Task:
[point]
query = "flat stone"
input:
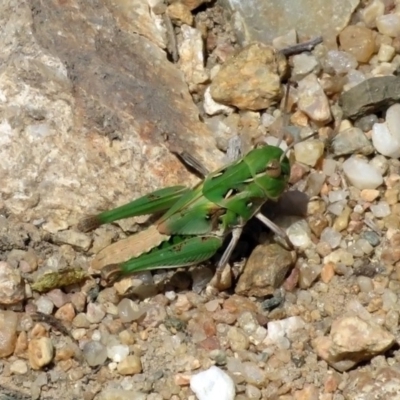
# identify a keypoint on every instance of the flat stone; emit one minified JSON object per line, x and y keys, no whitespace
{"x":85,"y":85}
{"x":370,"y":96}
{"x":351,"y":141}
{"x":265,"y":270}
{"x":251,"y":79}
{"x":77,"y":240}
{"x":308,"y":17}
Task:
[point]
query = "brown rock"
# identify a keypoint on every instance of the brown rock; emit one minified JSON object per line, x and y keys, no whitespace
{"x":358,"y":41}
{"x":8,"y":332}
{"x":250,"y":80}
{"x":130,"y":365}
{"x":180,"y":14}
{"x":65,"y":313}
{"x":351,"y":341}
{"x":381,"y":384}
{"x":21,"y":344}
{"x":265,"y":270}
{"x":40,"y":352}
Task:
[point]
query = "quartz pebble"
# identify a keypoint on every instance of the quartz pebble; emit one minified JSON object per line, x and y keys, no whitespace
{"x":312,"y":99}
{"x":44,"y":305}
{"x":380,"y":210}
{"x":361,"y":174}
{"x":129,"y":311}
{"x":213,"y":384}
{"x":95,"y":353}
{"x":280,"y":331}
{"x":211,"y":107}
{"x":386,"y":135}
{"x":332,"y":237}
{"x":304,"y":64}
{"x":340,"y":61}
{"x":117,"y":352}
{"x":95,"y":313}
{"x":369,"y":14}
{"x":299,"y":234}
{"x":389,"y":24}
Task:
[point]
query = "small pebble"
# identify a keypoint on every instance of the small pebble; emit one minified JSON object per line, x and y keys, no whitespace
{"x":361,"y":174}
{"x":44,"y":305}
{"x":40,"y":352}
{"x":130,"y":365}
{"x":118,"y":352}
{"x":237,"y":339}
{"x":213,"y":384}
{"x":8,"y":332}
{"x":19,"y":367}
{"x":95,"y":353}
{"x":332,"y":237}
{"x":386,"y":136}
{"x":95,"y":313}
{"x":12,"y":287}
{"x":372,"y":238}
{"x":389,"y":24}
{"x":129,"y":311}
{"x":380,"y":210}
{"x":340,"y":61}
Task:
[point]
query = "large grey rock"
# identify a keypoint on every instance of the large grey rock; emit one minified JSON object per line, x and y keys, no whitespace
{"x":89,"y":106}
{"x":263,"y":20}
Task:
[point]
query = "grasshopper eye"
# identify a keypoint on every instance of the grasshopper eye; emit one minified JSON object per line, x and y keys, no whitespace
{"x":273,"y":169}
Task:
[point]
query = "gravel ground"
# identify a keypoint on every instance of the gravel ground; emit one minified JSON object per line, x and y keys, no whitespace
{"x":320,"y":322}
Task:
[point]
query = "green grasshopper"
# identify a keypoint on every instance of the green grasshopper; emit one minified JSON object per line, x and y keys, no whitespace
{"x":196,"y":220}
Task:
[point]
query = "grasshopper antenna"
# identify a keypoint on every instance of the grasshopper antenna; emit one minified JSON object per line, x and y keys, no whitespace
{"x":285,"y":112}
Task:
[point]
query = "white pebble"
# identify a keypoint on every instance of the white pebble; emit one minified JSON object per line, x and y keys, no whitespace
{"x":388,"y":24}
{"x":337,"y":195}
{"x":283,"y":328}
{"x":361,"y":174}
{"x":386,"y":53}
{"x":337,"y":207}
{"x":380,"y":210}
{"x":44,"y":305}
{"x":331,"y":237}
{"x":213,"y":384}
{"x":299,"y":234}
{"x":386,"y":135}
{"x":118,"y":352}
{"x":384,"y":142}
{"x":211,"y":107}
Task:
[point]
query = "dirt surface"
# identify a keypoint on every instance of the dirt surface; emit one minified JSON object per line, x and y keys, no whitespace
{"x":178,"y":326}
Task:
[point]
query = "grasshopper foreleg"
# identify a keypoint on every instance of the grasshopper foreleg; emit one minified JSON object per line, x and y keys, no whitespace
{"x":275,"y":228}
